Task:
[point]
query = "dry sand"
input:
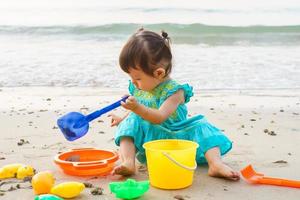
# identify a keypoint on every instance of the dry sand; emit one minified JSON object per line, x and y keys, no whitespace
{"x":30,"y":113}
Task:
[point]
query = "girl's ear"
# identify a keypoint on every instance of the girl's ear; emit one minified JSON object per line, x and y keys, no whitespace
{"x":159,"y":73}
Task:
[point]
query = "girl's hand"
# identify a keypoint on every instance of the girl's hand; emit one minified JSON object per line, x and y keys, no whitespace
{"x":130,"y":104}
{"x":115,"y":120}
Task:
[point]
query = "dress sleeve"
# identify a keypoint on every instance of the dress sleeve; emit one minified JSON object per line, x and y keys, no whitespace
{"x":188,"y":91}
{"x":131,"y":88}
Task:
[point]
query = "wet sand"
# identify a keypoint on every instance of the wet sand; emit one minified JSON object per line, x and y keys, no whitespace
{"x":263,"y":125}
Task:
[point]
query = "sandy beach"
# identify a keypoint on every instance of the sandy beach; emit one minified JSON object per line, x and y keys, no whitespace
{"x":247,"y":117}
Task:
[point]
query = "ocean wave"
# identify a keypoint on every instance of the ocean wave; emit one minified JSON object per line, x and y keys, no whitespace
{"x":180,"y":33}
{"x":127,"y":28}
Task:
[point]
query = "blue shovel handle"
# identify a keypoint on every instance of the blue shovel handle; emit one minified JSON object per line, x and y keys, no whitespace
{"x":106,"y":109}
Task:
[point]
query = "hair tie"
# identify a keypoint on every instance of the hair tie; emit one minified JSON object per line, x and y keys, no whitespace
{"x":164,"y":35}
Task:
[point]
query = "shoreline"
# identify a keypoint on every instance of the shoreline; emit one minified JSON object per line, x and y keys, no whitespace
{"x":268,"y":91}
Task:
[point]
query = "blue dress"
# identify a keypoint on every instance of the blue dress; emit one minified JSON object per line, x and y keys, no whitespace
{"x":177,"y":126}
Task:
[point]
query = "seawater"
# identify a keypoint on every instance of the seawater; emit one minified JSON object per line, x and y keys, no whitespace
{"x":237,"y":45}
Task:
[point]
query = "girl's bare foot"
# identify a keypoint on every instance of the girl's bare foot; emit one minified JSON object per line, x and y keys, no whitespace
{"x":221,"y":170}
{"x":124,"y":169}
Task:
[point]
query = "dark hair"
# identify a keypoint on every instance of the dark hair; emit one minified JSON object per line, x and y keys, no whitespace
{"x":147,"y":50}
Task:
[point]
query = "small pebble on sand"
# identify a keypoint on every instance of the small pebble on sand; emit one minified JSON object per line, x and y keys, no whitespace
{"x":97,"y":191}
{"x":280,"y":162}
{"x":179,"y":197}
{"x":88,"y":185}
{"x":22,"y":142}
{"x":272,"y":133}
{"x":27,"y":179}
{"x":12,"y":188}
{"x":84,"y":108}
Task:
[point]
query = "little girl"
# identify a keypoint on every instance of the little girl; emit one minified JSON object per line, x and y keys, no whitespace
{"x":157,"y":108}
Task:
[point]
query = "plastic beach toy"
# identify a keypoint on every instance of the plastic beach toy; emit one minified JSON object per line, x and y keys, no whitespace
{"x":9,"y":171}
{"x":25,"y":171}
{"x":16,"y":170}
{"x":257,"y":178}
{"x":171,"y":163}
{"x":75,"y":125}
{"x":68,"y":189}
{"x":42,"y":182}
{"x":129,"y":189}
{"x":87,"y":162}
{"x":47,"y":197}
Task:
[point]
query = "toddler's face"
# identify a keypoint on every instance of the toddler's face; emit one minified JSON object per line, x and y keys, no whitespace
{"x":143,"y":81}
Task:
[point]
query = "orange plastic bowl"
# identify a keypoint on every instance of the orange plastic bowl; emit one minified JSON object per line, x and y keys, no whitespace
{"x":87,"y":162}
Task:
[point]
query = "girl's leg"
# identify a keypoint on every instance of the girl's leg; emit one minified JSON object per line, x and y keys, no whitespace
{"x":216,"y":166}
{"x":127,"y":153}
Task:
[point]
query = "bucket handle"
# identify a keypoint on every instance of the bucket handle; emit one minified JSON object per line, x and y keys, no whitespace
{"x":179,"y":164}
{"x":93,"y":164}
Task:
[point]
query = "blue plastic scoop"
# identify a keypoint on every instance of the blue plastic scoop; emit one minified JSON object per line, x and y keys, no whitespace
{"x":75,"y":125}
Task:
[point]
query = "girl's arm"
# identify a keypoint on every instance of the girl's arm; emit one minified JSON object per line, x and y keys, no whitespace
{"x":155,"y":116}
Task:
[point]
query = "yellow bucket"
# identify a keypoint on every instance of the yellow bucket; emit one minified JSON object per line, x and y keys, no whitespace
{"x":171,"y":163}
